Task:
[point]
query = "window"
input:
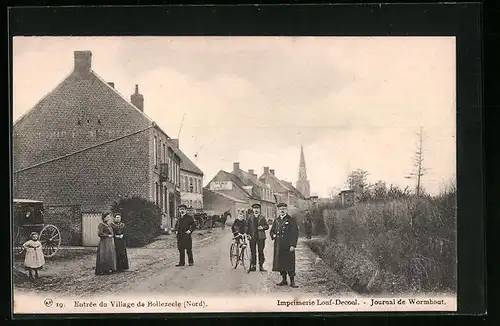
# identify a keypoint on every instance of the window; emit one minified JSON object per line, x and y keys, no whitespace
{"x":159,"y":151}
{"x":170,"y":170}
{"x":190,"y":203}
{"x":157,"y":193}
{"x":200,"y":190}
{"x":155,"y":150}
{"x":191,"y":185}
{"x":164,"y":158}
{"x":164,"y":199}
{"x":176,"y":172}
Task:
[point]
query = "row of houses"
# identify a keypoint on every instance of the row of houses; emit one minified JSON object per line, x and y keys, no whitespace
{"x":237,"y":190}
{"x":85,"y":144}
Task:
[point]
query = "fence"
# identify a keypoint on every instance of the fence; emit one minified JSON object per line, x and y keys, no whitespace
{"x":68,"y":219}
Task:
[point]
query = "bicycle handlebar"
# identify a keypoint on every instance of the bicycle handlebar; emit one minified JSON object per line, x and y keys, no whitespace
{"x":242,"y":236}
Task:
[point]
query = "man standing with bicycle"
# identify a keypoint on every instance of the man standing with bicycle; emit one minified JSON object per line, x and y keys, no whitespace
{"x":256,"y":229}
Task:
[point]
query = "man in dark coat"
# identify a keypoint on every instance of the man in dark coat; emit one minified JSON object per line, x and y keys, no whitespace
{"x":184,"y":228}
{"x":308,"y":225}
{"x":256,"y":229}
{"x":285,"y":233}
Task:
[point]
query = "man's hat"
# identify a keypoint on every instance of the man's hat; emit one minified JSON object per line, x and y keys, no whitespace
{"x":282,"y":205}
{"x":256,"y":206}
{"x":183,"y":206}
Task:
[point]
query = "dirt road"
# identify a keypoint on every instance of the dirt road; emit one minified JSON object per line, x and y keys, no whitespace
{"x":153,"y":271}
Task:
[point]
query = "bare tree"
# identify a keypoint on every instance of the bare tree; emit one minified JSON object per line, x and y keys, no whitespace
{"x":357,"y":182}
{"x":418,"y":164}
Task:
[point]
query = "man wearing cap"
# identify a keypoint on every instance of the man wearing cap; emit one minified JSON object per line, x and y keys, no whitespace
{"x":184,"y":227}
{"x":256,"y":229}
{"x":285,"y":233}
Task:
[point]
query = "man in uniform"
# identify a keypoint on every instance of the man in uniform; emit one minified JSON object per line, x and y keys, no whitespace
{"x":285,"y":233}
{"x":183,"y":229}
{"x":256,"y":229}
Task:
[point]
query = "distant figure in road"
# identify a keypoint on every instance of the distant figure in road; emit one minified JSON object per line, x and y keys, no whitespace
{"x":106,"y":252}
{"x":183,"y":229}
{"x":239,"y":226}
{"x":308,"y":225}
{"x":34,"y":258}
{"x":120,"y":244}
{"x":256,"y":229}
{"x":285,"y":233}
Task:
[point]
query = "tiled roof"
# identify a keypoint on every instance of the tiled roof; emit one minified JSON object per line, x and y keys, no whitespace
{"x":250,"y":180}
{"x":75,"y":91}
{"x":186,"y":163}
{"x":227,"y":196}
{"x":283,"y":187}
{"x":293,"y":189}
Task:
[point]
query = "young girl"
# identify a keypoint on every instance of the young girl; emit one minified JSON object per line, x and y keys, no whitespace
{"x":120,"y":245}
{"x":106,"y":254}
{"x":239,"y":226}
{"x":34,"y":259}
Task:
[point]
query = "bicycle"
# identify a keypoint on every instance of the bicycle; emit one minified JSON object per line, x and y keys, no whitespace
{"x":239,"y":253}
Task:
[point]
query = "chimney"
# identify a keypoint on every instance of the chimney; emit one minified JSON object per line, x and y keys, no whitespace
{"x":175,"y":142}
{"x":266,"y":170}
{"x":272,"y":171}
{"x":137,"y":99}
{"x":236,"y":166}
{"x":251,"y":171}
{"x":83,"y":61}
{"x":111,"y":84}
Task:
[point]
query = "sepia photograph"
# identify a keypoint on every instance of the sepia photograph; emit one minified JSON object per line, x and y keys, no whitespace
{"x":176,"y":174}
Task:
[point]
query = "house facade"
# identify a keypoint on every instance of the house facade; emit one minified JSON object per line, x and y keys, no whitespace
{"x":85,"y":144}
{"x":244,"y":186}
{"x":191,"y":180}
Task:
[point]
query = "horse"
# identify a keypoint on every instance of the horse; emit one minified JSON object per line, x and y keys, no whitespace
{"x":221,"y":219}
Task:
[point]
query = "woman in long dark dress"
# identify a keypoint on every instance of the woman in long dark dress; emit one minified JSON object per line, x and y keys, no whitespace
{"x":120,"y":244}
{"x":106,"y":254}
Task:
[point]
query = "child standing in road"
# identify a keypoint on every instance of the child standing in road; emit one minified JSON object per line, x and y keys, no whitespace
{"x":34,"y":259}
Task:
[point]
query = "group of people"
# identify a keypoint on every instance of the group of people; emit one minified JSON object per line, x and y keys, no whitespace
{"x":111,"y":251}
{"x":284,"y":232}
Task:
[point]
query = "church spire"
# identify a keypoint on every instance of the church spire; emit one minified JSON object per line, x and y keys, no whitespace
{"x":303,"y":183}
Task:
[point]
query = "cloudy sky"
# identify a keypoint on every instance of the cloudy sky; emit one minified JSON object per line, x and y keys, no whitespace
{"x":352,"y":102}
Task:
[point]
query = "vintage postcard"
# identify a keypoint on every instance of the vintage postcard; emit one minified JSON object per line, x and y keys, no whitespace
{"x":234,"y":174}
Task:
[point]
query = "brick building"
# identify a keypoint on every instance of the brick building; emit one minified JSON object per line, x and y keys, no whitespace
{"x":191,"y":180}
{"x":85,"y":144}
{"x":244,"y":186}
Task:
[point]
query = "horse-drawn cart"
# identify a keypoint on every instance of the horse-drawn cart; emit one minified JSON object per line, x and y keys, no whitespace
{"x":28,"y":217}
{"x":208,"y":219}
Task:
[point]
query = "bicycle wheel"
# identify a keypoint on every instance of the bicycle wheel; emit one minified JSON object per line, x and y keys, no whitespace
{"x":244,"y":257}
{"x":233,"y":255}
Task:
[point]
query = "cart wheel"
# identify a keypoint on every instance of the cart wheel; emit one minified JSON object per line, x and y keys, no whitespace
{"x":233,"y":255}
{"x":50,"y":237}
{"x":244,"y":257}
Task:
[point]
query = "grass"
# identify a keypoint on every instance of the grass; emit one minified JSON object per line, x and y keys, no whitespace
{"x":406,"y":245}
